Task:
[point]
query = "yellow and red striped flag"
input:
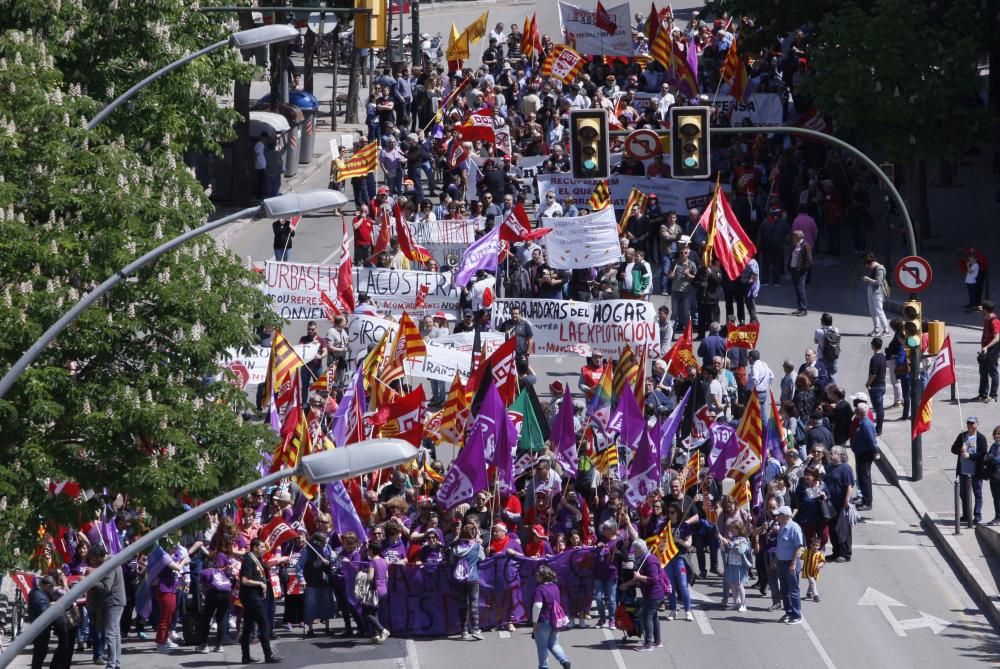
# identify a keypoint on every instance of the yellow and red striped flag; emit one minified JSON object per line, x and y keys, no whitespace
{"x":689,"y":475}
{"x":455,"y":411}
{"x":742,"y":495}
{"x":282,"y":364}
{"x":662,"y":545}
{"x":364,"y":161}
{"x":733,"y":68}
{"x":636,"y":197}
{"x":601,"y":197}
{"x":625,"y":370}
{"x":563,"y":63}
{"x":407,"y":345}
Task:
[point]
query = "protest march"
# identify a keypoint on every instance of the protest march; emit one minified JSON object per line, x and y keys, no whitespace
{"x":669,"y":452}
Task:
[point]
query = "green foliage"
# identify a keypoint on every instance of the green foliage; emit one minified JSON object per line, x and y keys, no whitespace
{"x":118,"y":400}
{"x":891,"y":73}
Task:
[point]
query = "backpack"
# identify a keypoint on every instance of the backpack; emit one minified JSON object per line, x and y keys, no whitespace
{"x":831,"y":343}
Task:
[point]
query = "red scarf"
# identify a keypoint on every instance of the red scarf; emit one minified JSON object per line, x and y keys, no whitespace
{"x":499,"y":545}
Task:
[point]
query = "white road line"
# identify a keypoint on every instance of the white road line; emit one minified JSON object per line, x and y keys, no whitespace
{"x":615,"y":653}
{"x":883,"y":547}
{"x":814,"y":640}
{"x":412,"y":659}
{"x":703,"y":624}
{"x":869,"y":521}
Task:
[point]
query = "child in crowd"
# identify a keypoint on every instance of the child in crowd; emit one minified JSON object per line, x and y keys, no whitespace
{"x":739,"y":559}
{"x":812,"y":564}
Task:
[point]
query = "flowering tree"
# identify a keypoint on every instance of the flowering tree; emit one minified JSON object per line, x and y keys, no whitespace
{"x":122,"y":400}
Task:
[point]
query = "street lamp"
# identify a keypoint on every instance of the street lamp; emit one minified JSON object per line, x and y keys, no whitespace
{"x":244,"y":39}
{"x":322,"y":467}
{"x":288,"y":205}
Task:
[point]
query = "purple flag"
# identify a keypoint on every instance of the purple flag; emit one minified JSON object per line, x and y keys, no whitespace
{"x":644,"y":472}
{"x":669,"y":429}
{"x":112,"y":540}
{"x":692,"y":59}
{"x":155,"y":564}
{"x":725,"y":449}
{"x":498,"y":434}
{"x":628,"y":419}
{"x":481,"y":254}
{"x":352,"y":406}
{"x":773,"y":445}
{"x":467,"y":473}
{"x":345,"y":516}
{"x":563,"y":435}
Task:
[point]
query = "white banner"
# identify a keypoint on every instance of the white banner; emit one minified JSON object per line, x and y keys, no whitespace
{"x":440,"y":363}
{"x":463,"y":341}
{"x":674,"y":194}
{"x":394,"y":291}
{"x":446,"y":240}
{"x":295,"y":288}
{"x":363,"y":330}
{"x":584,"y":241}
{"x":762,"y":109}
{"x":581,"y":33}
{"x":567,"y":326}
{"x":250,"y":369}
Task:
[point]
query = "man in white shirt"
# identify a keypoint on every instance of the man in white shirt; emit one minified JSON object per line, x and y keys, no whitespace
{"x":664,"y":101}
{"x":759,"y":377}
{"x":497,"y":34}
{"x":549,"y":207}
{"x":260,"y":164}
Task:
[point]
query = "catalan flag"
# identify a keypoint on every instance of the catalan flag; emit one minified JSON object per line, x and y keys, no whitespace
{"x":407,"y":345}
{"x":639,"y":381}
{"x":364,"y":161}
{"x":563,"y":63}
{"x":604,"y":452}
{"x":282,"y":364}
{"x":661,"y":47}
{"x":625,"y":370}
{"x":601,"y":197}
{"x":742,"y":495}
{"x":725,"y":236}
{"x":636,"y":197}
{"x":294,"y":438}
{"x":455,"y":411}
{"x":662,"y":545}
{"x":689,"y":475}
{"x":749,"y":434}
{"x":526,"y":37}
{"x":734,"y":69}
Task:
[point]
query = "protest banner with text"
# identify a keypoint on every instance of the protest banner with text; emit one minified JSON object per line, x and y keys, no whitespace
{"x":583,"y":242}
{"x":674,"y":194}
{"x":395,"y":291}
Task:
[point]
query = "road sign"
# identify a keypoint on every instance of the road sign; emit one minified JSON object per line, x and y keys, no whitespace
{"x":642,"y":144}
{"x":913,"y":274}
{"x":884,"y":603}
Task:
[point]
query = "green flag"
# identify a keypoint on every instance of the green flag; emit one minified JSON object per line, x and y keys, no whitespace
{"x":531,"y":438}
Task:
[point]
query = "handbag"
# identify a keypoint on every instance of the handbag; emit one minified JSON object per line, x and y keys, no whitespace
{"x":72,"y":615}
{"x":361,"y":585}
{"x":560,"y":620}
{"x":827,"y":509}
{"x":370,"y":598}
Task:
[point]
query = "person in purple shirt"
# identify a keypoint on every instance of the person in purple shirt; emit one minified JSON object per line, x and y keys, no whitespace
{"x":394,"y":548}
{"x":537,"y":545}
{"x":568,"y":512}
{"x":546,"y":632}
{"x":378,"y":577}
{"x":606,"y":573}
{"x":432,"y":552}
{"x":649,"y":577}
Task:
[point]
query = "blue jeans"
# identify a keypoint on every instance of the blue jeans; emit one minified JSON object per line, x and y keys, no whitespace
{"x":650,"y":621}
{"x":877,"y":395}
{"x":965,"y":482}
{"x":606,"y":595}
{"x":681,"y":309}
{"x":547,"y":639}
{"x":283,"y":254}
{"x":789,"y":582}
{"x":438,"y":392}
{"x":677,"y":573}
{"x":904,"y":382}
{"x":664,"y":271}
{"x":799,"y":281}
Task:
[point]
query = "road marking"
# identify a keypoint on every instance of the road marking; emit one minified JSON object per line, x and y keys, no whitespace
{"x":814,"y":640}
{"x":870,"y":521}
{"x":699,"y":597}
{"x":884,"y":602}
{"x":884,"y":547}
{"x":703,"y":624}
{"x":412,"y":659}
{"x":615,"y":653}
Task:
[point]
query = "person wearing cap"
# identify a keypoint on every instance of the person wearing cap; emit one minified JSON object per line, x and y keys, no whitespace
{"x":864,"y":445}
{"x":503,"y":541}
{"x":537,"y":545}
{"x":788,"y":552}
{"x":467,"y":324}
{"x":39,"y":599}
{"x":970,"y":467}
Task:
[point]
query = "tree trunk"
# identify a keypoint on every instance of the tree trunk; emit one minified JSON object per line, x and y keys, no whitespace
{"x":242,"y":176}
{"x":353,"y":88}
{"x":309,"y":55}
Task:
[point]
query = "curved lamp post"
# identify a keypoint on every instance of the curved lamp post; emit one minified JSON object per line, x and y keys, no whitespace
{"x":275,"y":207}
{"x":322,"y":467}
{"x":245,"y":39}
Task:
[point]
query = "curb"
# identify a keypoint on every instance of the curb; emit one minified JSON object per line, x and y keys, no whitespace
{"x":982,"y":589}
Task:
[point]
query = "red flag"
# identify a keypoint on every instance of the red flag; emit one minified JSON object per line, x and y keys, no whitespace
{"x":504,"y":373}
{"x":516,"y":227}
{"x":330,"y":308}
{"x":409,"y":248}
{"x":743,"y":336}
{"x":276,"y":533}
{"x":457,"y":154}
{"x":68,"y":488}
{"x":536,"y":38}
{"x":382,"y":241}
{"x":479,"y":126}
{"x":403,"y":414}
{"x":422,"y":296}
{"x":731,"y":245}
{"x":294,"y":222}
{"x":345,"y":272}
{"x":941,"y":375}
{"x":605,"y":21}
{"x":681,"y":356}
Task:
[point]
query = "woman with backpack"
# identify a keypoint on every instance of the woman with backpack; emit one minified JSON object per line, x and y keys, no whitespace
{"x":549,"y":618}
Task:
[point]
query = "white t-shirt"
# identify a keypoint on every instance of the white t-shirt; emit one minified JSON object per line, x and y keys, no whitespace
{"x":259,"y":158}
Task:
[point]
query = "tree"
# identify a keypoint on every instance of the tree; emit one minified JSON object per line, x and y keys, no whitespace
{"x":122,"y":400}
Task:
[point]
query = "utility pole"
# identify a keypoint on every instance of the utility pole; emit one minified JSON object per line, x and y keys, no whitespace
{"x":415,"y":45}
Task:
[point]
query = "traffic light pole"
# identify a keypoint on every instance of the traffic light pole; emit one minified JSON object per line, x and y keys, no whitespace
{"x":916,"y":444}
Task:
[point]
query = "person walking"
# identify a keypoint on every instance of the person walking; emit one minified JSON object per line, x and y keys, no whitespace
{"x":254,"y":582}
{"x":799,"y":264}
{"x":970,"y":447}
{"x":864,"y":445}
{"x":877,"y":292}
{"x":989,"y":354}
{"x":788,"y":552}
{"x":546,"y":612}
{"x":112,"y":589}
{"x":993,"y":472}
{"x":38,"y":601}
{"x":649,"y":577}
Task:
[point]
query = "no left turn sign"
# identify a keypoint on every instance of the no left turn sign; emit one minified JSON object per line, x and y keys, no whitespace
{"x":913,"y":274}
{"x":642,"y":144}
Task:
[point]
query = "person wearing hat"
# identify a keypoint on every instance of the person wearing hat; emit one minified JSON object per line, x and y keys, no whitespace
{"x":788,"y":552}
{"x":970,"y":467}
{"x":864,"y":445}
{"x":468,"y":322}
{"x":537,"y":544}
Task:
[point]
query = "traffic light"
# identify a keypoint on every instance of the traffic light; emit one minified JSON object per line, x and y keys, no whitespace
{"x":689,"y":142}
{"x":369,"y":28}
{"x":912,"y":327}
{"x":588,"y":144}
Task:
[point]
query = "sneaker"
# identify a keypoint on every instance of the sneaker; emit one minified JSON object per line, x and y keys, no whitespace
{"x":175,"y":637}
{"x":784,"y":618}
{"x":511,"y":628}
{"x":141,"y":635}
{"x":202,"y":649}
{"x":163,"y":648}
{"x":689,"y":616}
{"x":600,"y":623}
{"x":612,"y":626}
{"x":385,"y":635}
{"x":567,"y":665}
{"x":742,"y":609}
{"x":646,"y":647}
{"x":466,"y":636}
{"x":816,"y":597}
{"x":994,"y":522}
{"x":672,"y":617}
{"x":477,"y":634}
{"x":171,"y":645}
{"x":217,"y":649}
{"x":658,"y":645}
{"x":794,"y":621}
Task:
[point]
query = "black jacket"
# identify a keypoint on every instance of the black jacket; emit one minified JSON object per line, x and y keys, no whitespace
{"x":980,"y":457}
{"x":38,"y":601}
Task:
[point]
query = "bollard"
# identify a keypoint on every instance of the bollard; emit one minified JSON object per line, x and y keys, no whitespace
{"x":958,"y":525}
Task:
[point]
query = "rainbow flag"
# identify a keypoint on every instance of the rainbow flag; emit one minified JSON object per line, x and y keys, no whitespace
{"x":599,"y":409}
